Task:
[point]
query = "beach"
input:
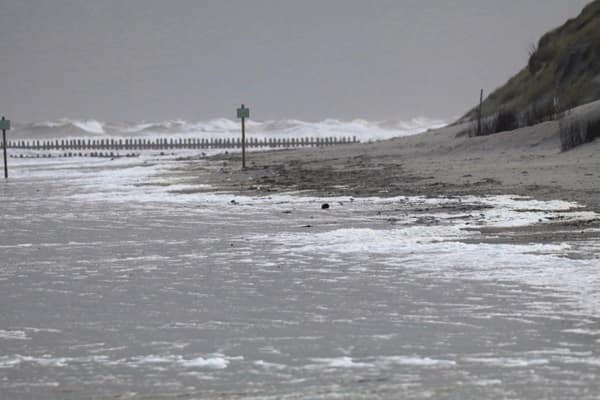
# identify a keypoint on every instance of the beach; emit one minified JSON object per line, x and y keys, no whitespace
{"x":353,"y":200}
{"x":423,"y":266}
{"x":527,"y":161}
{"x":443,"y":162}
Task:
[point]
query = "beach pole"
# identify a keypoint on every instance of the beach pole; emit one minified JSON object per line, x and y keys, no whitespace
{"x":479,"y":113}
{"x":4,"y":125}
{"x":243,"y":113}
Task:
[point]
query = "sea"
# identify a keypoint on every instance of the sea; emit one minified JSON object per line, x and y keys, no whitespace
{"x":125,"y":279}
{"x":222,"y":128}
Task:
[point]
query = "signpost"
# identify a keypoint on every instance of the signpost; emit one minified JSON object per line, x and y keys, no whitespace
{"x":243,"y":113}
{"x":4,"y":125}
{"x":479,"y":110}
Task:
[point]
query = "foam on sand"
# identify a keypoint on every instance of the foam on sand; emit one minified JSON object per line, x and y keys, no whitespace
{"x":415,"y":361}
{"x":508,"y":362}
{"x":380,"y":362}
{"x":213,"y":361}
{"x":201,"y":362}
{"x":13,"y":334}
{"x":342,"y":362}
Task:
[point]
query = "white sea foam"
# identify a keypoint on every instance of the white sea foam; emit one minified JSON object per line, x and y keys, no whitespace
{"x":508,"y":362}
{"x":44,"y":361}
{"x":438,"y":250}
{"x":583,"y":331}
{"x":591,"y":361}
{"x":368,"y":240}
{"x":13,"y":334}
{"x":269,"y":365}
{"x":90,"y":126}
{"x":213,"y":361}
{"x":362,"y":129}
{"x":380,"y":362}
{"x":154,"y":359}
{"x":342,"y":362}
{"x":513,"y":211}
{"x":9,"y":362}
{"x":413,"y":361}
{"x":65,"y":125}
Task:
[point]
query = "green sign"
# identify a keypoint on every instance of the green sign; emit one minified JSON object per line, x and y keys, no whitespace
{"x":243,"y":112}
{"x":4,"y":124}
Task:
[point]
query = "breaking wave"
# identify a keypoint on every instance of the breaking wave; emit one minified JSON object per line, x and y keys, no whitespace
{"x":362,"y":129}
{"x":64,"y":126}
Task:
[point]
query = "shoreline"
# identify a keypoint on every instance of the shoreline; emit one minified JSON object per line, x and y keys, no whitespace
{"x":526,"y":162}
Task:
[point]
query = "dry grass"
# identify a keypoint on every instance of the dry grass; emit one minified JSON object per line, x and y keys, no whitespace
{"x":576,"y":130}
{"x":505,"y":120}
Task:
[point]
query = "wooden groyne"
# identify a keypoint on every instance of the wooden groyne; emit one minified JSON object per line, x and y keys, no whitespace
{"x":173,"y":143}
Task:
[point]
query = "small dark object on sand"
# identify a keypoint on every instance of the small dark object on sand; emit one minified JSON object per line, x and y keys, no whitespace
{"x":307,"y":226}
{"x":324,"y":206}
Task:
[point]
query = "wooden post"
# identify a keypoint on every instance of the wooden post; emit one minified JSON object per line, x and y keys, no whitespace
{"x":243,"y":113}
{"x":243,"y":141}
{"x":4,"y":149}
{"x":5,"y":125}
{"x":479,"y":113}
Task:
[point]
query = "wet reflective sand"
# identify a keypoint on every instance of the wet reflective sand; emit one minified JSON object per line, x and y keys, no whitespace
{"x":109,"y":289}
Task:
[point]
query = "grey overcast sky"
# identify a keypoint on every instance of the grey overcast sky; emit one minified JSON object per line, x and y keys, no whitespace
{"x":129,"y":60}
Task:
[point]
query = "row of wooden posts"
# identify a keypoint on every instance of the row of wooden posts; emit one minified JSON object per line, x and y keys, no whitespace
{"x":92,"y":154}
{"x":174,"y":143}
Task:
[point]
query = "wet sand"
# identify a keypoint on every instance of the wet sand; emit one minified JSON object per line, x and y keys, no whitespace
{"x":116,"y":284}
{"x":111,"y":290}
